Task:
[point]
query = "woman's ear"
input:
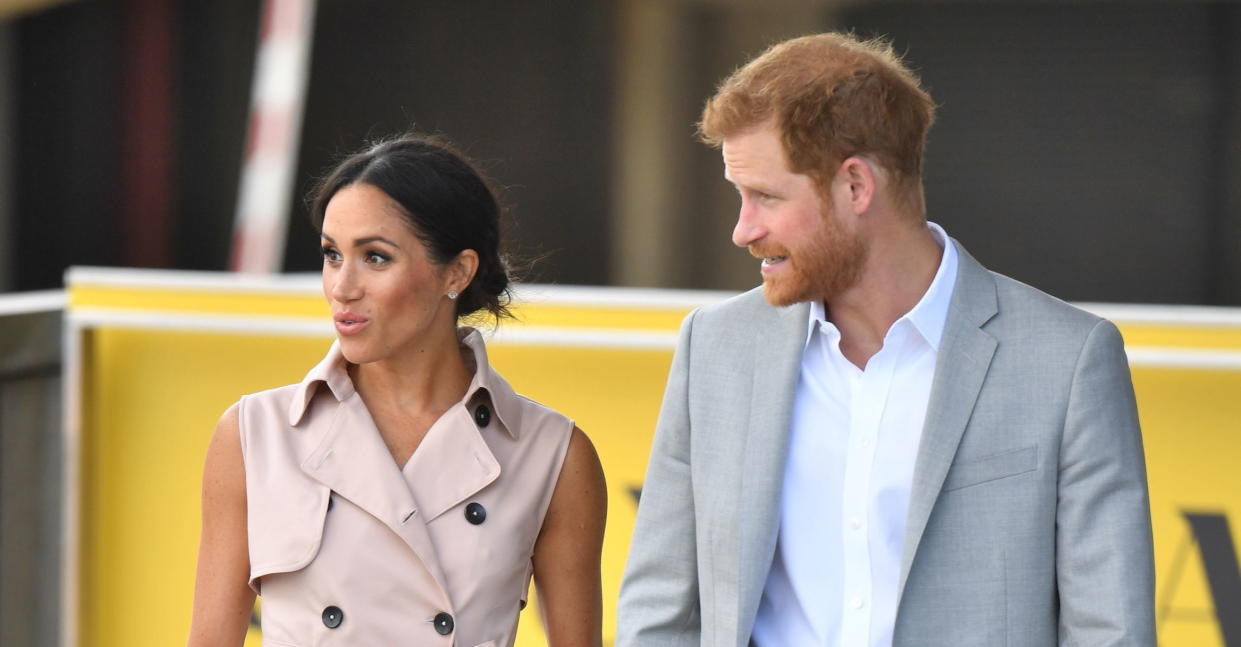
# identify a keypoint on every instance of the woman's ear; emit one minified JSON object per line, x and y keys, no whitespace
{"x":461,"y":270}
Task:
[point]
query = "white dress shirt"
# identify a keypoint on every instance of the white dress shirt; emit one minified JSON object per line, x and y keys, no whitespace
{"x":853,"y":441}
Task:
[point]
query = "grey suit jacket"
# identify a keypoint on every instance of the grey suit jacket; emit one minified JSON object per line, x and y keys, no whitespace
{"x":1028,"y":521}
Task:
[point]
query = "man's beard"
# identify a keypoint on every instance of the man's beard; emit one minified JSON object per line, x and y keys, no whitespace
{"x":821,"y":267}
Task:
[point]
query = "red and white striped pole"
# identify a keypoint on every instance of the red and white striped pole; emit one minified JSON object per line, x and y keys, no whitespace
{"x":278,"y":95}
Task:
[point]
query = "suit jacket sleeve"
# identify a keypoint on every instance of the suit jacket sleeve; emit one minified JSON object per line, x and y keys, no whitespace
{"x":659,"y":593}
{"x":1104,"y":565}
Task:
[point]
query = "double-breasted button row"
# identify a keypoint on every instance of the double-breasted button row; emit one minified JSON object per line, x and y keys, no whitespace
{"x":333,"y":616}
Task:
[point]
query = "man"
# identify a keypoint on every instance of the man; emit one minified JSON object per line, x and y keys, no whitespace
{"x":889,"y":445}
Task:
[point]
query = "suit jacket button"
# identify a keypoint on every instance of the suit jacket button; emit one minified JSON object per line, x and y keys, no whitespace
{"x":475,"y":513}
{"x":332,"y":617}
{"x":443,"y":624}
{"x":482,"y":415}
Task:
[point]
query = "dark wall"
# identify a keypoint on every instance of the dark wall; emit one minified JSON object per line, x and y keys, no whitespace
{"x":1078,"y":145}
{"x":525,"y":88}
{"x":1088,"y":148}
{"x":67,"y":179}
{"x":215,"y":48}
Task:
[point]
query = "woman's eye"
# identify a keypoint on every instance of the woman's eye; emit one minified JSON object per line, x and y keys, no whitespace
{"x":376,"y":258}
{"x":330,"y":254}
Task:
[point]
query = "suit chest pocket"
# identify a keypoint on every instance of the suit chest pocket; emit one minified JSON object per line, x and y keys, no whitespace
{"x":992,"y":468}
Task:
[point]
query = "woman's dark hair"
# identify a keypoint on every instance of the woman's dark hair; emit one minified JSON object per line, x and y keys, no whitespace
{"x":447,"y":201}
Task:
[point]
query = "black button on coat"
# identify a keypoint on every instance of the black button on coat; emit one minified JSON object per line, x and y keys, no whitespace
{"x":443,"y":624}
{"x":332,"y":617}
{"x":482,"y":415}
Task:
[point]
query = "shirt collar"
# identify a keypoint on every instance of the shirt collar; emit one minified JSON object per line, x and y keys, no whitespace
{"x":930,"y":314}
{"x":486,"y":385}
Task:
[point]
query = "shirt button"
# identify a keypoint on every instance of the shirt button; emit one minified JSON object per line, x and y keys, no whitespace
{"x":865,"y":442}
{"x":482,"y":415}
{"x":332,"y":617}
{"x":475,"y":513}
{"x":443,"y":624}
{"x":855,"y":523}
{"x":856,"y":602}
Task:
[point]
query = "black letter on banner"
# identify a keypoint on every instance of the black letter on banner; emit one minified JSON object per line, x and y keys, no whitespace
{"x":1219,"y":560}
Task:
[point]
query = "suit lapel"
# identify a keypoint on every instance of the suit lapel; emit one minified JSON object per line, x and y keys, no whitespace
{"x":964,"y":357}
{"x":352,"y":459}
{"x":778,"y":347}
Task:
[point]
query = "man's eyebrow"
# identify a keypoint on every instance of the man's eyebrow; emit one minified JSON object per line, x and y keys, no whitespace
{"x":759,"y":187}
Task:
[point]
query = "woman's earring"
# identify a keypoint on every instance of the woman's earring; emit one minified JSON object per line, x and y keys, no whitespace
{"x":452,"y":294}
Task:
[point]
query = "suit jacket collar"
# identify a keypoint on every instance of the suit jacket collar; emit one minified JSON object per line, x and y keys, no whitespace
{"x":964,"y":357}
{"x":775,"y":371}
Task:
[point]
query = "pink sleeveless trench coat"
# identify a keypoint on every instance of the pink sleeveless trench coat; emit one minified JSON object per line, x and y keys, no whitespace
{"x":348,"y":548}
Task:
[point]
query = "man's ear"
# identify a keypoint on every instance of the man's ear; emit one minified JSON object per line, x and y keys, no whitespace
{"x":461,"y":270}
{"x":860,"y":179}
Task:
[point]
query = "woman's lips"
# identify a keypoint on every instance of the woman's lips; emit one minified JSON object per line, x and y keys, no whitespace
{"x":350,"y":323}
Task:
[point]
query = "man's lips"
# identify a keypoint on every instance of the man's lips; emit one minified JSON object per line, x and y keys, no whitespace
{"x":350,"y":323}
{"x":771,"y":259}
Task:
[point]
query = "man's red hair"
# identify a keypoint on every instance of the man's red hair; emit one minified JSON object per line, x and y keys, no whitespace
{"x":831,"y":96}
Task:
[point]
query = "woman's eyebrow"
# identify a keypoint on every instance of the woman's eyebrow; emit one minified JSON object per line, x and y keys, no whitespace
{"x":358,"y":242}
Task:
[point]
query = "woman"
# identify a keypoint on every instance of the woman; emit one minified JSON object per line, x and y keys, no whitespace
{"x":401,"y":493}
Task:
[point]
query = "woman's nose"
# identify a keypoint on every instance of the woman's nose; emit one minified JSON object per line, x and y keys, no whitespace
{"x":345,"y":284}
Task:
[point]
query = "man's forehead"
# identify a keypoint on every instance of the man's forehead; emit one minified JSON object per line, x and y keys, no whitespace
{"x":755,"y":147}
{"x":755,"y":162}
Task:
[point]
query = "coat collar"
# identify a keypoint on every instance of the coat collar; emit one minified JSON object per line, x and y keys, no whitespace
{"x":332,"y":371}
{"x":346,"y":452}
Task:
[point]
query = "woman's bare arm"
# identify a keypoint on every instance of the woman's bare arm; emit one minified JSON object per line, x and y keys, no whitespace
{"x":222,"y":598}
{"x":566,"y":555}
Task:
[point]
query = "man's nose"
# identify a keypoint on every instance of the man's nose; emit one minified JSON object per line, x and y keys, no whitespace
{"x":749,"y":227}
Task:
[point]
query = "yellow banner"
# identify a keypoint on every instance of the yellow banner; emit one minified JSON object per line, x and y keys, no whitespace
{"x":160,"y":355}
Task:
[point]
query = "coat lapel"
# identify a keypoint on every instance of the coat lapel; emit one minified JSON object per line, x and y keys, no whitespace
{"x":352,"y":459}
{"x":965,"y":354}
{"x":776,"y":368}
{"x":452,"y":463}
